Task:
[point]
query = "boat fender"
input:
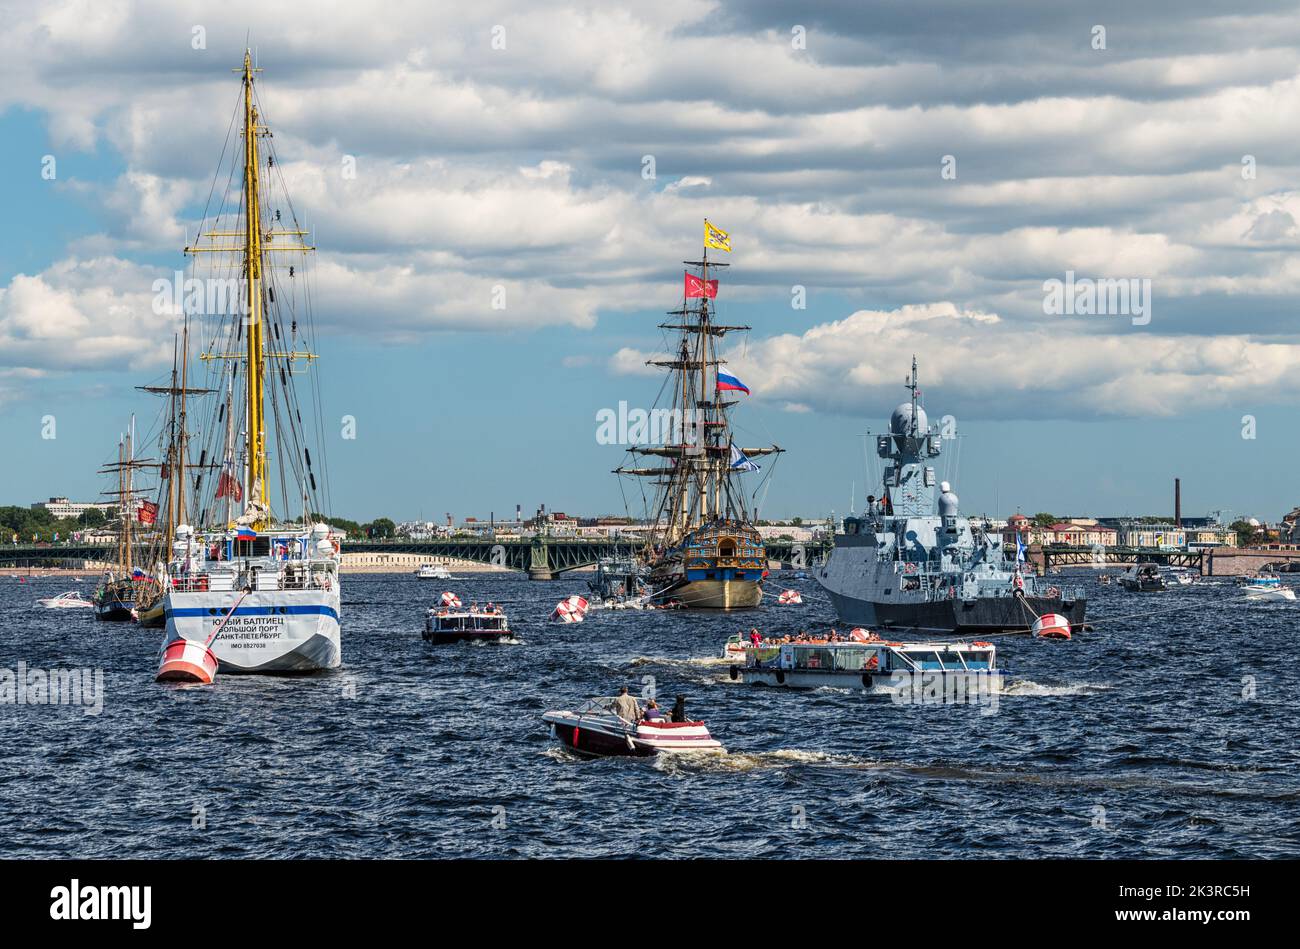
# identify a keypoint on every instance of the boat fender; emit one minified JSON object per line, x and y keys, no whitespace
{"x":735,"y":673}
{"x":780,"y":677}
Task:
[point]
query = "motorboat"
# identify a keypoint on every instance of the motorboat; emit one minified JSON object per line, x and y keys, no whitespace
{"x":432,"y":571}
{"x":1267,"y":587}
{"x":1143,"y":578}
{"x":453,"y":623}
{"x":67,"y":601}
{"x":594,"y":729}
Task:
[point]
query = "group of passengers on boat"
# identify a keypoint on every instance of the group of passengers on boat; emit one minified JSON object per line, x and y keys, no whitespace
{"x":628,"y":709}
{"x":803,"y":636}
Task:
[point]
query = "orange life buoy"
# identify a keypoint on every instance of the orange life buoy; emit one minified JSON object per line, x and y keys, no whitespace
{"x":335,"y":542}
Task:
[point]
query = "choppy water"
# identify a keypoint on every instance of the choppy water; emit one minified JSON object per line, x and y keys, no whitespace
{"x":1136,"y":740}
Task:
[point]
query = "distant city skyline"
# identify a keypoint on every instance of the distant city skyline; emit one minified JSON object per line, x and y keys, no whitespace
{"x":1090,"y":248}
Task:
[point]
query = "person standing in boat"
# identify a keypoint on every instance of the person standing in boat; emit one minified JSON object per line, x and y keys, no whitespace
{"x":626,"y":708}
{"x":679,"y":709}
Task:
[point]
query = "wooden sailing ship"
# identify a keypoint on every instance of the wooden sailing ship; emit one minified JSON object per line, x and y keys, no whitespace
{"x":703,"y":551}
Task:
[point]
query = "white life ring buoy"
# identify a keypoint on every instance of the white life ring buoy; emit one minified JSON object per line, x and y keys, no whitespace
{"x":909,"y":567}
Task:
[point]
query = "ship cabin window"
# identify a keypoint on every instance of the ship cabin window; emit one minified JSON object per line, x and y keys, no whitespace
{"x":727,"y":548}
{"x":850,"y":525}
{"x":851,"y":660}
{"x":814,"y":658}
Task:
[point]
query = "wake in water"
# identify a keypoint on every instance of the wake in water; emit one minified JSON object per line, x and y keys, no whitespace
{"x":1027,"y":687}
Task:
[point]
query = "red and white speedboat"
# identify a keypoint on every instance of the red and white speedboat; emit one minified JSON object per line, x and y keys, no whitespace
{"x":596,"y":730}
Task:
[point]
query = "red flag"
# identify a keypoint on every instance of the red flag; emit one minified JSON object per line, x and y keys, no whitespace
{"x":695,"y":287}
{"x":147,"y":513}
{"x":227,"y":486}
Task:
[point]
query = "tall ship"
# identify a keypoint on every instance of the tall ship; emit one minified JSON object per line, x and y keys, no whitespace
{"x":257,"y":573}
{"x":127,"y":586}
{"x":913,"y":562}
{"x":703,"y":551}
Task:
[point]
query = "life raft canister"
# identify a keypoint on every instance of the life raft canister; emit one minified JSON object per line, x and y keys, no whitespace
{"x":1052,"y":626}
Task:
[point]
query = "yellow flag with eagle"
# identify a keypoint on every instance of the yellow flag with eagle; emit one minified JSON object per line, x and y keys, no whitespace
{"x":716,"y":237}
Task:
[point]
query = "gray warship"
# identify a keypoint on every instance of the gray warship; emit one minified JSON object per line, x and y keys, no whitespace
{"x":912,"y":561}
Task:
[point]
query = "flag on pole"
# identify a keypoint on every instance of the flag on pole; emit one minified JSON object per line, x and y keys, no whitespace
{"x":726,"y":382}
{"x":1020,"y":550}
{"x":716,"y":237}
{"x":228,"y":485}
{"x":695,"y":287}
{"x":245,"y":533}
{"x":147,"y":513}
{"x":739,"y":461}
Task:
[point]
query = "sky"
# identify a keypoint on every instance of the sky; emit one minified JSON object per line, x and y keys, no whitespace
{"x":898,"y":179}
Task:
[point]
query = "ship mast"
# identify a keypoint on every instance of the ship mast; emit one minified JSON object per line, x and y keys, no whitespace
{"x":254,"y":246}
{"x":255,"y":489}
{"x":697,"y":478}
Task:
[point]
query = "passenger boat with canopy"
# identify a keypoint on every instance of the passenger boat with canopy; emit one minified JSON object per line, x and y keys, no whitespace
{"x":450,"y":622}
{"x":262,"y":586}
{"x":870,"y":664}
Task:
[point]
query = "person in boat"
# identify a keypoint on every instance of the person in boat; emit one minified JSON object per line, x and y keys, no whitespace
{"x":679,"y":709}
{"x":755,"y":637}
{"x":625,"y":707}
{"x":652,"y":712}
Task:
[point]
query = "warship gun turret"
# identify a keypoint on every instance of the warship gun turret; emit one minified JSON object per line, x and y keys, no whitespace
{"x":912,"y":561}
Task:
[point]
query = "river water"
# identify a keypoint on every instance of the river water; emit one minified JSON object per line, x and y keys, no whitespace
{"x":1166,"y":735}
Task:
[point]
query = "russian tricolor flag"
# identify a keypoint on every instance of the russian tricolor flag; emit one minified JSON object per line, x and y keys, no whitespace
{"x":726,"y":382}
{"x":245,"y":533}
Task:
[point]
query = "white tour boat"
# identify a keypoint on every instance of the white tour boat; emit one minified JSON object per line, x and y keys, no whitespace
{"x":432,"y":571}
{"x":873,"y":664}
{"x":451,"y":623}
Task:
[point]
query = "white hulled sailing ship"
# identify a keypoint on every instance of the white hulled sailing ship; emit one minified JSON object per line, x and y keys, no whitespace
{"x":703,"y":551}
{"x":267,"y":585}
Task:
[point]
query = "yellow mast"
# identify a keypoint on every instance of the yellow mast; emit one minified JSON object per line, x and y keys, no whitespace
{"x":253,"y":271}
{"x":254,"y":248}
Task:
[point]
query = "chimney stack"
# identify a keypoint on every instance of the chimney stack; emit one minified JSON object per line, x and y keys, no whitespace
{"x":1178,"y":502}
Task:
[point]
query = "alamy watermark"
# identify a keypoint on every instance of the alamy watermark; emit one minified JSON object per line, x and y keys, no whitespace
{"x":977,"y":687}
{"x":33,"y":686}
{"x":208,"y":296}
{"x":1108,"y":296}
{"x":625,"y":426}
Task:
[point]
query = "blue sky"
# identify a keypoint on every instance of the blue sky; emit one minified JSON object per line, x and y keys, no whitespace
{"x":523,"y":167}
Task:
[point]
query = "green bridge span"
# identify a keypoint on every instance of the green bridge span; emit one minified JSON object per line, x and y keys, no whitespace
{"x":541,"y":557}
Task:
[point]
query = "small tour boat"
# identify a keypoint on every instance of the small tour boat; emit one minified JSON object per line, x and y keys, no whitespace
{"x":865,"y":665}
{"x":67,"y":601}
{"x":1143,"y":578}
{"x":432,"y":571}
{"x":449,"y":624}
{"x":595,"y":729}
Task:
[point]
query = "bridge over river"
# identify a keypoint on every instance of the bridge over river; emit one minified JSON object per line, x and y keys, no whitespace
{"x":1210,"y":562}
{"x":542,"y":557}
